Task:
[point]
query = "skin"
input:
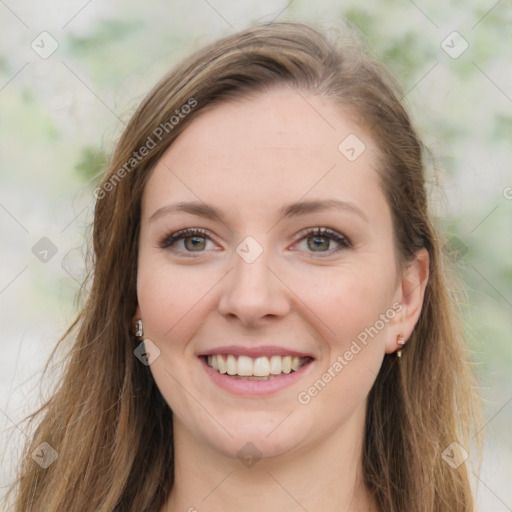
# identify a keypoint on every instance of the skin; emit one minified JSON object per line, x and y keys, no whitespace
{"x":249,"y":158}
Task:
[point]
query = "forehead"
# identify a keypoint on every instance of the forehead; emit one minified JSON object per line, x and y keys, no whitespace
{"x":273,"y":147}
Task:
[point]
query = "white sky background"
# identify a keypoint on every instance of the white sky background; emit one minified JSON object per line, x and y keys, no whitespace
{"x":81,"y":99}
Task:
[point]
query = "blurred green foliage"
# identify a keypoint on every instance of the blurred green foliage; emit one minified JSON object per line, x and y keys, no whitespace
{"x":92,"y":161}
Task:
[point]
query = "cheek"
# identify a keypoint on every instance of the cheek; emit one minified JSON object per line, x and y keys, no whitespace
{"x":173,"y":300}
{"x":345,"y":301}
{"x":170,"y":295}
{"x":347,"y":316}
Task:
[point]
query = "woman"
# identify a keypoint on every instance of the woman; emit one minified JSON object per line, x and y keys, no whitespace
{"x":264,"y":255}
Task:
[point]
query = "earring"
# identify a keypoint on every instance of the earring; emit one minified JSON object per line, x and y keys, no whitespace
{"x":139,"y":329}
{"x":400,"y":341}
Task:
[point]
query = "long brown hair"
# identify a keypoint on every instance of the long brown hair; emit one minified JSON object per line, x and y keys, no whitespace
{"x":106,"y":419}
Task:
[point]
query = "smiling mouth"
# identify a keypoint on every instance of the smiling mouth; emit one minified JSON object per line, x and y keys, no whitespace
{"x":258,"y":368}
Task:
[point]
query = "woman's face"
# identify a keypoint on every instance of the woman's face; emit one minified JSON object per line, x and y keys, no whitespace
{"x":292,"y":266}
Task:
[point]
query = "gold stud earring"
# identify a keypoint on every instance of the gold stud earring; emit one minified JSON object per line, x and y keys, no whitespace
{"x":400,"y":341}
{"x":139,"y":329}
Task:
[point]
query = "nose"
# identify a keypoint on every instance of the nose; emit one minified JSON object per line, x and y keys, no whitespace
{"x":253,"y":292}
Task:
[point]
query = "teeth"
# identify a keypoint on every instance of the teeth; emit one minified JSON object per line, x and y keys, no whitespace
{"x":287,"y":364}
{"x":232,"y":365}
{"x":221,"y":363}
{"x":260,"y":367}
{"x":245,"y":366}
{"x":275,"y":365}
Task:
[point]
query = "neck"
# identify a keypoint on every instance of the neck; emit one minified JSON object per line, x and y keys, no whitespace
{"x":325,"y":476}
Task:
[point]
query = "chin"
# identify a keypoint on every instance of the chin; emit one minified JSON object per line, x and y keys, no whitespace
{"x":257,"y":435}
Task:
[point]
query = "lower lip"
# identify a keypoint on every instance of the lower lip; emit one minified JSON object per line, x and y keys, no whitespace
{"x":254,"y":387}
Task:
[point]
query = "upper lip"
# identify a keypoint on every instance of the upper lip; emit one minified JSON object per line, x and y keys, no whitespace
{"x":261,"y":351}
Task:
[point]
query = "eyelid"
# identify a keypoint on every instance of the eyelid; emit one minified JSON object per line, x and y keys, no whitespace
{"x":321,"y":231}
{"x":175,"y":236}
{"x":331,"y":234}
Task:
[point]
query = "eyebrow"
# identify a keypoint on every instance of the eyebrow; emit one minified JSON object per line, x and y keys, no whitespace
{"x":290,"y":210}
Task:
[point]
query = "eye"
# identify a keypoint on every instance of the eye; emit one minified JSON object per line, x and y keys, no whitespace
{"x":194,"y":240}
{"x":320,"y":240}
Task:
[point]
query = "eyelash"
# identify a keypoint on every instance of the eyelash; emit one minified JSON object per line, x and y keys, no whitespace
{"x":330,"y":234}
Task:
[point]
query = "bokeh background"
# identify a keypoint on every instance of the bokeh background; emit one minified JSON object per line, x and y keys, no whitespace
{"x":71,"y":74}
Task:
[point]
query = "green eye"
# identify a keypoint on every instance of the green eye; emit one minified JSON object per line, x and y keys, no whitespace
{"x":194,"y":240}
{"x":318,"y":240}
{"x":194,"y":243}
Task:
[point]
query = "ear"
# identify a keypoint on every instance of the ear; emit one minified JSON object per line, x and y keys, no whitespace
{"x":409,"y":293}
